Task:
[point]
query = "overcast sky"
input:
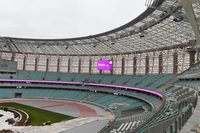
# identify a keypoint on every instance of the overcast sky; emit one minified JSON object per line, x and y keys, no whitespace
{"x":65,"y":18}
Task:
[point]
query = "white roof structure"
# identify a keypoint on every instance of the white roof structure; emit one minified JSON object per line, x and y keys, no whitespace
{"x":163,"y":25}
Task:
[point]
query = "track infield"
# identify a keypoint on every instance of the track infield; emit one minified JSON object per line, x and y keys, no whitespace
{"x":38,"y":116}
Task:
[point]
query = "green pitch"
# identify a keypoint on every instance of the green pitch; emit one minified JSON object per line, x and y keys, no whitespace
{"x":38,"y":116}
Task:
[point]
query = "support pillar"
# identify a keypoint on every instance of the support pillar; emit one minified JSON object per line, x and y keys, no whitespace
{"x":90,"y":66}
{"x":79,"y":66}
{"x":183,"y":119}
{"x":47,"y":65}
{"x":180,"y":123}
{"x":123,"y":66}
{"x":198,"y":54}
{"x":147,"y":65}
{"x":176,"y":127}
{"x":134,"y":65}
{"x":187,"y":4}
{"x":36,"y":63}
{"x":160,"y":63}
{"x":171,"y":129}
{"x":111,"y":71}
{"x":69,"y":65}
{"x":192,"y":53}
{"x":13,"y":57}
{"x":58,"y":65}
{"x":175,"y":63}
{"x":24,"y":62}
{"x":100,"y":71}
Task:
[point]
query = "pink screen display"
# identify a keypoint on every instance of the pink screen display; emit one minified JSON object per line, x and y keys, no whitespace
{"x":104,"y":65}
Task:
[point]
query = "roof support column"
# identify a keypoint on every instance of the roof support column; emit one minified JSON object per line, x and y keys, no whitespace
{"x":160,"y":63}
{"x":36,"y":63}
{"x":24,"y":62}
{"x":122,"y":66}
{"x":90,"y":66}
{"x":79,"y":65}
{"x":47,"y":65}
{"x":187,"y":4}
{"x":175,"y":62}
{"x":192,"y":53}
{"x":69,"y":65}
{"x":147,"y":65}
{"x":13,"y":57}
{"x":111,"y":71}
{"x":100,"y":71}
{"x":58,"y":65}
{"x":134,"y":65}
{"x":198,"y":54}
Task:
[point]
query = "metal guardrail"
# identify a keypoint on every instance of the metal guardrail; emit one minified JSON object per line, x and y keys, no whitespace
{"x":150,"y":118}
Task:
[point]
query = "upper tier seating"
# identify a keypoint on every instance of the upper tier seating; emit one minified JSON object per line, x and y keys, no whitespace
{"x":142,"y":81}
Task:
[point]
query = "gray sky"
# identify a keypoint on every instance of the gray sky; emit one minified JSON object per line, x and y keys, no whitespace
{"x":65,"y":18}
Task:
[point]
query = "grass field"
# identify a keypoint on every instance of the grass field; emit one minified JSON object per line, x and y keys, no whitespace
{"x":38,"y":116}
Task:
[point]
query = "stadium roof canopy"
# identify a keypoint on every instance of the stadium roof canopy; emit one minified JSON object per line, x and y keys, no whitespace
{"x":163,"y":25}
